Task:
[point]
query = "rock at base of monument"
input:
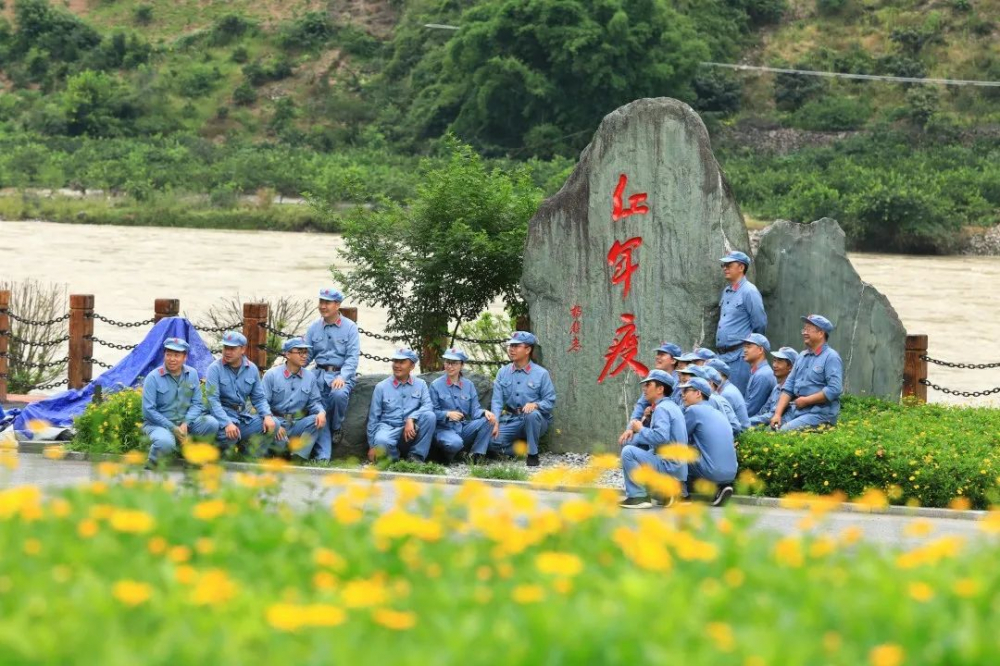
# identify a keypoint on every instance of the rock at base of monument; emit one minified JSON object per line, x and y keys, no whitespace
{"x":804,"y":269}
{"x":355,"y":427}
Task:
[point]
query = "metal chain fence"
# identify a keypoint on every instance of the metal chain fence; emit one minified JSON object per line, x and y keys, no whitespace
{"x":109,"y":344}
{"x":122,"y":324}
{"x":220,"y":329}
{"x":33,"y":322}
{"x":962,"y":394}
{"x":51,"y":343}
{"x":962,"y":366}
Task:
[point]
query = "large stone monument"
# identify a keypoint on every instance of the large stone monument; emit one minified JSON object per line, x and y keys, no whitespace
{"x":623,"y":257}
{"x":803,"y":268}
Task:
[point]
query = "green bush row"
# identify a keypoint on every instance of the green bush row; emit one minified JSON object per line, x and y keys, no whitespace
{"x":917,"y":454}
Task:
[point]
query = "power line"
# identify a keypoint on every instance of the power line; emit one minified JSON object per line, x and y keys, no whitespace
{"x":845,"y":75}
{"x":441,"y":26}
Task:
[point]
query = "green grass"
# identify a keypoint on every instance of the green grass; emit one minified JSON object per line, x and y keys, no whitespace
{"x":500,"y":472}
{"x":409,"y":467}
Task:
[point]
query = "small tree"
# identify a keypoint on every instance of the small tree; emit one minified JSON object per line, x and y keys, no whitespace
{"x":32,"y":358}
{"x":445,"y":255}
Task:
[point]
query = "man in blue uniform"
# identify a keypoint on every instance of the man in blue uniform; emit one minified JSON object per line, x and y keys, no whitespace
{"x":666,"y":425}
{"x":666,"y":360}
{"x":815,"y":383}
{"x":229,"y":383}
{"x":296,"y":407}
{"x":335,"y":350}
{"x":726,"y":389}
{"x":741,"y":312}
{"x":709,"y":433}
{"x":702,"y":355}
{"x":523,"y":398}
{"x":784,"y":359}
{"x":172,"y":408}
{"x":461,"y":421}
{"x":762,"y":382}
{"x":401,"y":416}
{"x":713,"y":378}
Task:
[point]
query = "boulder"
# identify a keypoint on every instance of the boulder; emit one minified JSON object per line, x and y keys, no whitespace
{"x":355,"y":444}
{"x":804,"y":269}
{"x":646,"y":208}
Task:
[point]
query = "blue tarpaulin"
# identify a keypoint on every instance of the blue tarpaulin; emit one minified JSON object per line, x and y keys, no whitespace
{"x":60,"y":409}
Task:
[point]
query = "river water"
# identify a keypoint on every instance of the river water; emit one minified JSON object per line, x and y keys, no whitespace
{"x":126,"y":268}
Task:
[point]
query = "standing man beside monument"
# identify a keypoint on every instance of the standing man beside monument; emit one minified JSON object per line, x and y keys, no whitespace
{"x":335,"y":350}
{"x":523,"y":398}
{"x":741,"y":312}
{"x":815,"y":383}
{"x":172,"y":408}
{"x":229,"y":383}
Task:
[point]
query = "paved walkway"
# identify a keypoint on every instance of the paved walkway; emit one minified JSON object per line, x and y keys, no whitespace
{"x":301,"y":487}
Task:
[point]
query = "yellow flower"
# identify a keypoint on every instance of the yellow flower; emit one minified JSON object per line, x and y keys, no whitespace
{"x":132,"y":521}
{"x":179,"y":554}
{"x":788,"y":551}
{"x":520,"y":448}
{"x":605,"y":461}
{"x":275,"y":465}
{"x":919,"y":528}
{"x":204,"y":546}
{"x":8,"y":459}
{"x":324,"y":580}
{"x":397,"y":620}
{"x":185,"y":574}
{"x":965,"y":587}
{"x":38,"y":425}
{"x":396,"y":524}
{"x":921,"y":591}
{"x":214,"y":587}
{"x":873,"y":499}
{"x":134,"y":458}
{"x":32,"y":547}
{"x":528,"y":594}
{"x":60,"y":508}
{"x":407,"y":490}
{"x":678,"y":452}
{"x":327,"y":558}
{"x":363,"y":593}
{"x":157,"y":545}
{"x":286,"y":617}
{"x":108,"y":469}
{"x":345,"y":510}
{"x":558,"y":564}
{"x":886,"y":655}
{"x":87,"y":528}
{"x":209,"y":509}
{"x":17,"y":499}
{"x":722,"y":634}
{"x":733,"y":577}
{"x":200,"y":454}
{"x":369,"y":473}
{"x":54,"y":452}
{"x":324,"y":615}
{"x":576,"y":510}
{"x":131,"y":593}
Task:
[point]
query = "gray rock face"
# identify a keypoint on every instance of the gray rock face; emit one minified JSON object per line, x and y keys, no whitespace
{"x":686,"y":221}
{"x":804,"y":269}
{"x":355,"y":444}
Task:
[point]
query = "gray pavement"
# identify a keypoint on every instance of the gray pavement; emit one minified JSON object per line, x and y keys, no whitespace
{"x":302,"y":487}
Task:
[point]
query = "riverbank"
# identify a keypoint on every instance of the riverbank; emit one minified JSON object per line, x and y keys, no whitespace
{"x":975,"y":243}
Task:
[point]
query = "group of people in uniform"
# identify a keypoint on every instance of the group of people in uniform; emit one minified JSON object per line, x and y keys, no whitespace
{"x":702,"y":398}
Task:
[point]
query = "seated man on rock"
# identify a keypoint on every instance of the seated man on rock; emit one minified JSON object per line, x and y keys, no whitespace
{"x":461,"y":421}
{"x":784,"y":359}
{"x":401,"y":416}
{"x":711,"y":435}
{"x":666,"y":355}
{"x":729,"y":391}
{"x":296,"y":405}
{"x":523,"y":399}
{"x":229,"y":383}
{"x":816,"y":382}
{"x":640,"y":442}
{"x":715,"y":400}
{"x":172,"y":408}
{"x":755,"y":349}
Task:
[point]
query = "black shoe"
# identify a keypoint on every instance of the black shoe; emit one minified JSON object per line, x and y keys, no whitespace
{"x":532,"y":460}
{"x":722,"y":495}
{"x":636,"y":503}
{"x":477,"y":459}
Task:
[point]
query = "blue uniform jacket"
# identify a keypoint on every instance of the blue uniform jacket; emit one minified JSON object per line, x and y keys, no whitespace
{"x":666,"y":425}
{"x":739,"y":405}
{"x":291,"y":394}
{"x":169,"y":401}
{"x":711,"y":435}
{"x":335,"y":344}
{"x":393,"y":402}
{"x":460,"y":396}
{"x":229,"y":390}
{"x":515,"y":388}
{"x":762,"y":382}
{"x":741,"y":312}
{"x":722,"y":405}
{"x":641,"y":404}
{"x":812,"y":372}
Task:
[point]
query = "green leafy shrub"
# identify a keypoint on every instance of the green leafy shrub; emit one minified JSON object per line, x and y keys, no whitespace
{"x":833,"y":114}
{"x":501,"y":472}
{"x":791,"y":91}
{"x":244,"y":94}
{"x":411,"y":467}
{"x":311,"y":30}
{"x":230,"y":28}
{"x":925,"y":454}
{"x":143,"y":14}
{"x":113,"y":425}
{"x":830,"y":7}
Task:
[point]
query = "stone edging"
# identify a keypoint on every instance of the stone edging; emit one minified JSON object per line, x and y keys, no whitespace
{"x":743,"y":500}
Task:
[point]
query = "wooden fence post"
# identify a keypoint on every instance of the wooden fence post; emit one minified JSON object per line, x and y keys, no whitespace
{"x":915,"y":368}
{"x":81,"y":328}
{"x":351,"y":313}
{"x":255,"y":314}
{"x":4,"y":342}
{"x":165,"y":307}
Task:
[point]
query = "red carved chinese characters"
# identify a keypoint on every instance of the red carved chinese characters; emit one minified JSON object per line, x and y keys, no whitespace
{"x":620,"y":256}
{"x":623,"y":351}
{"x":636,"y":202}
{"x":576,"y":311}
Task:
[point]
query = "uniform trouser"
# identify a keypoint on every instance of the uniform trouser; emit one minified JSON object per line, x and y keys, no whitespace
{"x":634,"y":457}
{"x":739,"y":370}
{"x":764,"y":418}
{"x":251,"y":427}
{"x":164,"y":441}
{"x":697,"y":470}
{"x":334,"y":400}
{"x":517,"y":426}
{"x":476,"y":432}
{"x":303,"y":430}
{"x":808,"y":420}
{"x":390,"y":438}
